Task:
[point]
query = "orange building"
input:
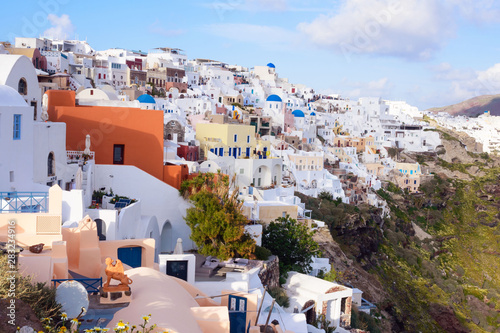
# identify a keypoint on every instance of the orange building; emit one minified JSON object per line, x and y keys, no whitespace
{"x":118,"y":135}
{"x":360,"y":143}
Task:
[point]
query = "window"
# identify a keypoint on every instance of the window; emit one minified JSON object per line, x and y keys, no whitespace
{"x":11,"y":176}
{"x":260,"y":169}
{"x":99,"y":76}
{"x":242,"y":171}
{"x":33,"y":104}
{"x":51,"y":165}
{"x":22,"y":87}
{"x":248,"y":138}
{"x":236,"y":138}
{"x":17,"y":127}
{"x":118,"y":154}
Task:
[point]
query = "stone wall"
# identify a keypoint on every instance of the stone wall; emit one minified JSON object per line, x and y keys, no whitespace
{"x":270,"y":273}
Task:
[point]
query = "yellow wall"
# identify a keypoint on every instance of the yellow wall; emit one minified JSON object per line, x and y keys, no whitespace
{"x":222,"y":135}
{"x":307,"y":163}
{"x":268,"y":214}
{"x":407,"y":168}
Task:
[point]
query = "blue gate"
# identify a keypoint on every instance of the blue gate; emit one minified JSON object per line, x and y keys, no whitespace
{"x":237,"y":314}
{"x":131,"y":256}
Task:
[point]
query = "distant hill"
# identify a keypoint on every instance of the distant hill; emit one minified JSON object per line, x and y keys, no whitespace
{"x":473,"y":107}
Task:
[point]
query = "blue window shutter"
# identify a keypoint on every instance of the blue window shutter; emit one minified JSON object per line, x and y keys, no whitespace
{"x":16,"y":133}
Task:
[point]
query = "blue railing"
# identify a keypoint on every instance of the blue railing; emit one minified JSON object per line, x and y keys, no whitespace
{"x":91,"y":285}
{"x":24,"y":202}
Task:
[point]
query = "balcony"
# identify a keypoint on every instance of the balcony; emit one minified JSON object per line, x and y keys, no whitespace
{"x":23,"y":202}
{"x":74,"y":156}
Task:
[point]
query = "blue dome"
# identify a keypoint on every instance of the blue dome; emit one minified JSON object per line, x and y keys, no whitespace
{"x":274,"y":98}
{"x":298,"y":113}
{"x":271,"y":65}
{"x":313,"y":113}
{"x":146,"y":99}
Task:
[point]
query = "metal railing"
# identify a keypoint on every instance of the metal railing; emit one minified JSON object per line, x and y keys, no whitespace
{"x":24,"y":202}
{"x":91,"y":285}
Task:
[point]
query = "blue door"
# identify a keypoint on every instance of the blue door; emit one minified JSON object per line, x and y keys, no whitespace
{"x":265,"y":152}
{"x":237,"y":314}
{"x":248,"y":151}
{"x":131,"y":256}
{"x":235,"y":152}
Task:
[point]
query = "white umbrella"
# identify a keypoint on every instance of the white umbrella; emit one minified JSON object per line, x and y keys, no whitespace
{"x":79,"y":179}
{"x":87,"y":145}
{"x":178,"y":247}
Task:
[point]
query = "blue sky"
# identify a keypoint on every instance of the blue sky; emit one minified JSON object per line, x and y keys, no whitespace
{"x":427,"y":52}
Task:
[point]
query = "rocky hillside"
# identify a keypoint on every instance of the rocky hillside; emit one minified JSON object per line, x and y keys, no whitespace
{"x":473,"y":107}
{"x":433,"y":265}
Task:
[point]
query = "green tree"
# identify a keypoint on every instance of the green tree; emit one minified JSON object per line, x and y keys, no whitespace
{"x":292,"y":242}
{"x":216,"y":221}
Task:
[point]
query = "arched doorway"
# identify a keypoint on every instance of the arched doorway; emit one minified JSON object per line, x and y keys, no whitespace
{"x":311,"y":313}
{"x":166,"y":238}
{"x":51,"y":165}
{"x":101,"y":229}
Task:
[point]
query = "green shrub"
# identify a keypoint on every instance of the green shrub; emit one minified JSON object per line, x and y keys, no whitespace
{"x":261,"y":253}
{"x":40,"y":297}
{"x":279,"y":294}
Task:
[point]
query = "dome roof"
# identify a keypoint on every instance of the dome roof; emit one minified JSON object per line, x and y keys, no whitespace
{"x":274,"y":98}
{"x":313,"y":113}
{"x":298,"y":113}
{"x":145,"y":98}
{"x":271,"y":65}
{"x":10,"y":97}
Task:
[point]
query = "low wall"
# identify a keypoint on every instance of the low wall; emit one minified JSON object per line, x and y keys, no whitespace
{"x":270,"y":273}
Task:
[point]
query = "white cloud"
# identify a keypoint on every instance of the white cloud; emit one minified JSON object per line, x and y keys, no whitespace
{"x":266,"y":36}
{"x":223,"y":8}
{"x":479,"y":11}
{"x":462,"y":84}
{"x":412,"y":29}
{"x":62,"y":28}
{"x":376,"y":88}
{"x":157,"y":28}
{"x":444,"y":71}
{"x":272,"y":5}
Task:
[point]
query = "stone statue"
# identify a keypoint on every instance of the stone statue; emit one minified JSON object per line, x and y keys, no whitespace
{"x":116,"y":272}
{"x":45,"y":106}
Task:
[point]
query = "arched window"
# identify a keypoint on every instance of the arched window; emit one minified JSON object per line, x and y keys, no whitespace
{"x":51,"y":163}
{"x":22,"y":87}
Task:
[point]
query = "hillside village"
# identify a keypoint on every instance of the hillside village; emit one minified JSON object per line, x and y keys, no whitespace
{"x":96,"y":145}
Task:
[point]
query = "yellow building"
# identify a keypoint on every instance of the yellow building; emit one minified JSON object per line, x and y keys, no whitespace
{"x":409,"y":168}
{"x":340,"y":153}
{"x":231,"y":140}
{"x":375,"y":169}
{"x":360,"y":143}
{"x":309,"y":162}
{"x":408,"y":176}
{"x":267,"y":212}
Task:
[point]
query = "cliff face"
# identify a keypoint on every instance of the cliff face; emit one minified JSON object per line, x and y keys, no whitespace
{"x":434,"y":264}
{"x":473,"y":107}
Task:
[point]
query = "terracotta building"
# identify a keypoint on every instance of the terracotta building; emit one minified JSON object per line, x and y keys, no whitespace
{"x":119,"y":135}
